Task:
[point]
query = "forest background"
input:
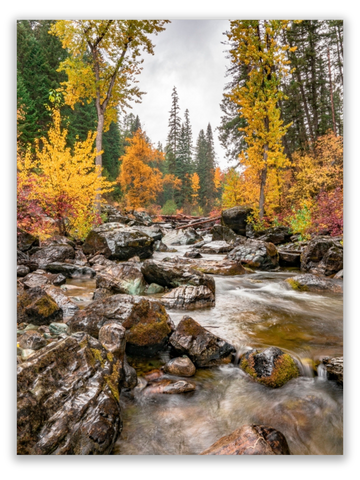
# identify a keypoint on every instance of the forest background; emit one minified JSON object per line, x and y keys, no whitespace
{"x":282,"y":123}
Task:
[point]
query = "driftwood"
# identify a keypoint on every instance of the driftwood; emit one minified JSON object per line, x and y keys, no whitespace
{"x":212,"y":219}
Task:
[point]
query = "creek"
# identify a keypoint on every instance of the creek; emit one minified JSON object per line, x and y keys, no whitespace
{"x":256,"y":310}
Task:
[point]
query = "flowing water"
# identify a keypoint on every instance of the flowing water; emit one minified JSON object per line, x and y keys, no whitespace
{"x":256,"y":310}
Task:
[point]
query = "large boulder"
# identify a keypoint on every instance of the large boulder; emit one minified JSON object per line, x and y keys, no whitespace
{"x":308,"y":282}
{"x":221,"y":232}
{"x":68,"y":396}
{"x":172,"y":275}
{"x":289,"y":258}
{"x":52,"y":253}
{"x":147,"y":324}
{"x":256,"y":254}
{"x":122,"y":278}
{"x":250,"y":440}
{"x":202,"y":347}
{"x":35,"y":306}
{"x":216,"y":247}
{"x":118,"y":242}
{"x":213,"y":267}
{"x":187,"y":236}
{"x":275,"y":235}
{"x":68,"y":307}
{"x":322,"y":255}
{"x":272,"y":367}
{"x":69,"y":270}
{"x":40,"y":278}
{"x":236,"y":218}
{"x":189,"y":297}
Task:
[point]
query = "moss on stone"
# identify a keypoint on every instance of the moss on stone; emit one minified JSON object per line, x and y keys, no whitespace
{"x":296,"y":285}
{"x":98,"y":356}
{"x":284,"y":370}
{"x":112,"y":380}
{"x":45,"y":306}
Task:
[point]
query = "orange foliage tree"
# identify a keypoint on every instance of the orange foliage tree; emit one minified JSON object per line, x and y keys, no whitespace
{"x":140,"y":181}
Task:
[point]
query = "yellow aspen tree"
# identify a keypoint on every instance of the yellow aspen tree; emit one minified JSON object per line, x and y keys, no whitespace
{"x":257,"y":45}
{"x":195,"y":187}
{"x":103,"y":62}
{"x":65,"y":183}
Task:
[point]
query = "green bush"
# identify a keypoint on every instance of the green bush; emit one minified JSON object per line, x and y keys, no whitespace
{"x":169,"y":208}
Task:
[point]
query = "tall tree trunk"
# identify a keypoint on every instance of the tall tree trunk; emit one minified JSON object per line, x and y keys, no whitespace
{"x":331,"y":94}
{"x":263,"y":183}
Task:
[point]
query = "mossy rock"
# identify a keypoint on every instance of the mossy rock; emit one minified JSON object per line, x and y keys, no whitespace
{"x":37,"y":307}
{"x":296,"y":285}
{"x":272,"y":367}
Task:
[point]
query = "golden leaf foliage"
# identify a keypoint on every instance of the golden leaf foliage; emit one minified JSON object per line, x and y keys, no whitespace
{"x":257,"y":47}
{"x":195,"y":187}
{"x":139,"y":180}
{"x":67,"y":183}
{"x":104,"y":60}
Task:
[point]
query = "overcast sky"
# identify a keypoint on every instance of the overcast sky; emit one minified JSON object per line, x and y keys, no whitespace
{"x":190,"y":56}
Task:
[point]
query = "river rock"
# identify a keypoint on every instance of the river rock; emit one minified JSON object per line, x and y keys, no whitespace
{"x":80,"y":258}
{"x":276,"y":235}
{"x":122,"y":278}
{"x":334,"y":368}
{"x":69,"y":270}
{"x":213,"y":267}
{"x":308,"y":282}
{"x":339,"y":275}
{"x":217,"y":247}
{"x":173,"y":275}
{"x":289,"y":258}
{"x":32,"y":339}
{"x":154,"y":288}
{"x":222,"y":233}
{"x":53,"y":253}
{"x":187,"y":236}
{"x":37,"y":307}
{"x":201,"y":346}
{"x":180,"y":366}
{"x":24,"y":260}
{"x":117,"y":242}
{"x":147,"y":324}
{"x":188,"y":297}
{"x":68,"y":399}
{"x":256,"y":254}
{"x":250,"y":440}
{"x":322,"y":255}
{"x":68,"y":307}
{"x":159,"y":246}
{"x":272,"y":367}
{"x":190,"y":254}
{"x":26,"y":240}
{"x":236,"y":218}
{"x":22,"y":270}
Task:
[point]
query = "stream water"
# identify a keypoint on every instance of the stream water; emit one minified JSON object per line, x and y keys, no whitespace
{"x":255,"y":310}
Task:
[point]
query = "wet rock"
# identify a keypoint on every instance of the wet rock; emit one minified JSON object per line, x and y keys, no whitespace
{"x":288,"y":258}
{"x":67,"y":306}
{"x":153,"y":288}
{"x":276,"y":235}
{"x":189,"y":297}
{"x":153,"y":232}
{"x":24,"y":259}
{"x":272,"y":367}
{"x":217,"y":247}
{"x":80,"y":258}
{"x":25,"y":240}
{"x":130,"y":380}
{"x":322,"y":255}
{"x":308,"y":282}
{"x":35,"y":279}
{"x":59,"y":329}
{"x":191,"y":254}
{"x":135,"y":259}
{"x":147,"y":324}
{"x":57,"y":240}
{"x":117,"y":242}
{"x":179,"y":387}
{"x":27,"y":353}
{"x":334,"y":368}
{"x":172,"y":275}
{"x":159,"y":246}
{"x":53,"y":253}
{"x":221,"y":232}
{"x":22,"y":270}
{"x":213,"y":267}
{"x":122,"y":278}
{"x":339,"y":275}
{"x":180,"y":366}
{"x":69,"y":270}
{"x":101,"y":294}
{"x":37,"y":307}
{"x":142,"y":217}
{"x":68,"y":399}
{"x":250,"y":440}
{"x":256,"y":254}
{"x":32,"y":339}
{"x":236,"y":218}
{"x":187,"y":236}
{"x":201,"y":346}
{"x":100,"y":260}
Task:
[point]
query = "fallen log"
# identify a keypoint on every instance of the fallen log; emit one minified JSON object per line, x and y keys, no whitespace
{"x":213,"y":219}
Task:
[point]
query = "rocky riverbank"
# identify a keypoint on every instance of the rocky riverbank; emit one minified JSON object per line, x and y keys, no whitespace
{"x":74,"y":364}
